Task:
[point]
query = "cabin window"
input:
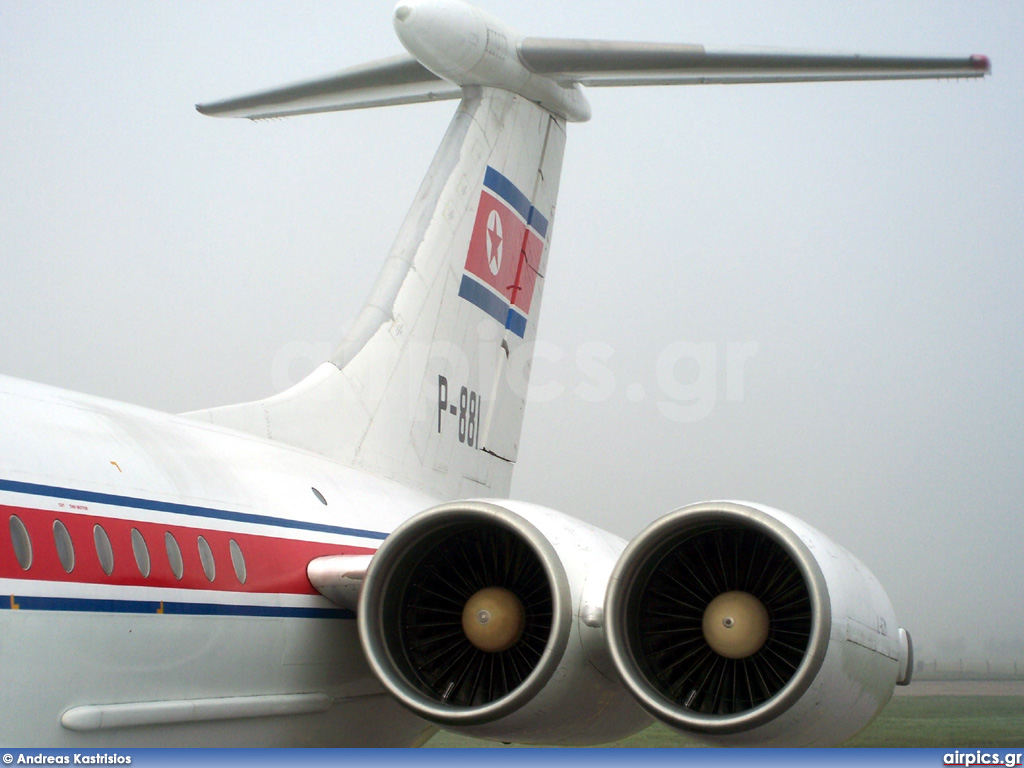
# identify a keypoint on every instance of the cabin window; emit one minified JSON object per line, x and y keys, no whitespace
{"x":22,"y":543}
{"x":174,"y":555}
{"x":206,"y":558}
{"x":238,"y":561}
{"x":320,"y":497}
{"x":141,"y":552}
{"x":65,"y":549}
{"x":104,"y":551}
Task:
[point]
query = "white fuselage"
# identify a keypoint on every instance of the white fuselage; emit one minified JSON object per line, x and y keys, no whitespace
{"x":154,"y":567}
{"x":245,"y":652}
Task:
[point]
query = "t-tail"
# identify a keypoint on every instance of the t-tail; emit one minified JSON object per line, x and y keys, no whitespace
{"x":429,"y":386}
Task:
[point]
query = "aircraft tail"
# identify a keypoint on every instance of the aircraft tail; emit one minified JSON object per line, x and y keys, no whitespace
{"x":429,"y":386}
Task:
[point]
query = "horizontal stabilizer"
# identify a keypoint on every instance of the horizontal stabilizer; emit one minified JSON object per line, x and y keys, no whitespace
{"x":598,"y":63}
{"x":564,"y":64}
{"x":386,"y":82}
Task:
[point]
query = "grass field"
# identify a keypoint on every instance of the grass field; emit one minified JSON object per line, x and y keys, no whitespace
{"x":912,"y":721}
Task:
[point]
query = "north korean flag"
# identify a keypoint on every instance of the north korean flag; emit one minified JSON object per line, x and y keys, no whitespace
{"x":504,"y":253}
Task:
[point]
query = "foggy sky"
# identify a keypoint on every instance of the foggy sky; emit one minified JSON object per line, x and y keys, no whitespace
{"x":805,"y":295}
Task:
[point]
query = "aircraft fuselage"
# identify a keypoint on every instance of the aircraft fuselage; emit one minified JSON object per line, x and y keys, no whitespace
{"x":131,"y":535}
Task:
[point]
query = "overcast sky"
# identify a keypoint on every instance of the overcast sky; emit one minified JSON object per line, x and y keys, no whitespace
{"x":806,"y":295}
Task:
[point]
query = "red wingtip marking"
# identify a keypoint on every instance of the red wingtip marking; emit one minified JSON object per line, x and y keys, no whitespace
{"x":981,"y":62}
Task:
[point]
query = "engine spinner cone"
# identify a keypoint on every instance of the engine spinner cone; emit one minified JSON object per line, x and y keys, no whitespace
{"x":735,"y":624}
{"x":493,"y":619}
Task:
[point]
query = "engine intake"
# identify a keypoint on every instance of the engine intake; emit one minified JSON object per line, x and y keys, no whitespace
{"x":718,"y":618}
{"x":465,"y":613}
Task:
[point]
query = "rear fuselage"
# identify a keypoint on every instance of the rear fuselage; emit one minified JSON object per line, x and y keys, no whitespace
{"x":132,"y":537}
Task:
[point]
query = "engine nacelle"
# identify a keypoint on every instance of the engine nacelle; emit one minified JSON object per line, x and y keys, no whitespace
{"x":470,"y":617}
{"x":744,"y":626}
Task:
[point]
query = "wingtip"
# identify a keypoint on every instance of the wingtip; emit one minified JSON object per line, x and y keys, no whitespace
{"x":981,"y":63}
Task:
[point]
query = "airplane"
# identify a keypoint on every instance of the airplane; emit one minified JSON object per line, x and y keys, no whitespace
{"x":340,"y":565}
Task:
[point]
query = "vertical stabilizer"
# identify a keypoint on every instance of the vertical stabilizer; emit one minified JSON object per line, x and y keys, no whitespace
{"x":429,"y":386}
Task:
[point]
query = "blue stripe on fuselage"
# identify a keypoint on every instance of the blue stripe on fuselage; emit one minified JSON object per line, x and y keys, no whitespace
{"x":152,"y":505}
{"x":155,"y":607}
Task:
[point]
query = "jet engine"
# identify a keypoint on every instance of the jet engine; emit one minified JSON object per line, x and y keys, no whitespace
{"x":744,"y":626}
{"x":733,"y":622}
{"x":469,"y":617}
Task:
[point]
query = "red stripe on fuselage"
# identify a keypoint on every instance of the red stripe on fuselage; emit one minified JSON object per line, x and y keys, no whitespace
{"x":272,"y":564}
